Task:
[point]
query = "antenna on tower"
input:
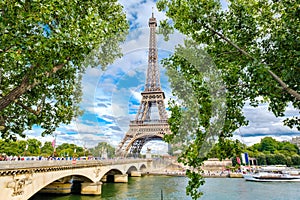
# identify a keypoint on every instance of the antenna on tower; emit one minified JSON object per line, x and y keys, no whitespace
{"x":152,"y":12}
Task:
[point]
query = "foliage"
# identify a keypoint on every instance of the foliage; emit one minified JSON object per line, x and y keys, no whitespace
{"x":271,"y":146}
{"x":73,"y":150}
{"x":227,"y":149}
{"x":47,"y":149}
{"x":267,"y":152}
{"x":255,"y":47}
{"x":33,"y":147}
{"x":101,"y":149}
{"x":261,"y":159}
{"x":272,"y":152}
{"x":192,"y":124}
{"x":268,"y":144}
{"x":21,"y":148}
{"x":295,"y":160}
{"x":45,"y":47}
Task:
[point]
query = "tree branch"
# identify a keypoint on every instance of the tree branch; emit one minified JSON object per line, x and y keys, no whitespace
{"x":6,"y":50}
{"x":227,"y":52}
{"x":25,"y":86}
{"x":283,"y":85}
{"x":29,"y":109}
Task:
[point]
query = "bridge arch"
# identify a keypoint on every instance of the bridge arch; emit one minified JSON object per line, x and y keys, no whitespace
{"x":143,"y":167}
{"x":130,"y":169}
{"x":113,"y":172}
{"x":64,"y":176}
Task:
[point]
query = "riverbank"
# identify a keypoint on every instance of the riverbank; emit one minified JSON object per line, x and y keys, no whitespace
{"x":176,"y":173}
{"x":212,"y":169}
{"x":165,"y":173}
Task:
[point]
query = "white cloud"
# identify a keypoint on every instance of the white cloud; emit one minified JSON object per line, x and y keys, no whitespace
{"x":263,"y":123}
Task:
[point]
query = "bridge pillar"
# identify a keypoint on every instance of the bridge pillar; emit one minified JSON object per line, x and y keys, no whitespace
{"x":121,"y":178}
{"x":136,"y":174}
{"x":104,"y":179}
{"x":91,"y":188}
{"x":57,"y":188}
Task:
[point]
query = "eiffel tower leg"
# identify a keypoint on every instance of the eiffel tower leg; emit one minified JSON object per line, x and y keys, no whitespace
{"x":140,"y":111}
{"x":137,"y":146}
{"x":147,"y":112}
{"x":120,"y":150}
{"x":144,"y":111}
{"x":162,"y":110}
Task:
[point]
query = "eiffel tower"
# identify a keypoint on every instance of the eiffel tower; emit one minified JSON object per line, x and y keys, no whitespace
{"x":144,"y":128}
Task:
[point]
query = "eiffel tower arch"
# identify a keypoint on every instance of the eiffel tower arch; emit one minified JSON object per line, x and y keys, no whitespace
{"x":145,"y":128}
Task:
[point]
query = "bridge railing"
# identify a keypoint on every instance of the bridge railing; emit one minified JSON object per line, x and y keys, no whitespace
{"x":7,"y":165}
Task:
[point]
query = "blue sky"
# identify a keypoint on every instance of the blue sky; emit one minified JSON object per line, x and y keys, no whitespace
{"x":111,"y":98}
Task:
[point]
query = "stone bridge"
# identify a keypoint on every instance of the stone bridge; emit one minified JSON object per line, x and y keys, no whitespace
{"x":19,"y":180}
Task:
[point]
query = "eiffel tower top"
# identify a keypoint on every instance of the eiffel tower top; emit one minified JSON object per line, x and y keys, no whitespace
{"x":153,"y":77}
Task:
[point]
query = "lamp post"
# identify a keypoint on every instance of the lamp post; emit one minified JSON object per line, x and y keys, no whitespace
{"x":84,"y":149}
{"x":26,"y":147}
{"x":54,"y":145}
{"x":74,"y":154}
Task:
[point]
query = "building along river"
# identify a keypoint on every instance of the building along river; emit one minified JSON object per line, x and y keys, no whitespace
{"x":173,"y":188}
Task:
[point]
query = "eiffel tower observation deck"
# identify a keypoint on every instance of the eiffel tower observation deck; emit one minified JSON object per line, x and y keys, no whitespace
{"x":145,"y":127}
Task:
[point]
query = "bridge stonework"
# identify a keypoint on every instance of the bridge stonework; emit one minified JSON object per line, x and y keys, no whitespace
{"x":19,"y":180}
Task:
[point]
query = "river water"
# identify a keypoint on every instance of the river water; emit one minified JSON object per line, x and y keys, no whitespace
{"x":173,"y":188}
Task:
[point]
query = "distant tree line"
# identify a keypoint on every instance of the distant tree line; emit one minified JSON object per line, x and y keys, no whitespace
{"x":272,"y":152}
{"x":267,"y":152}
{"x":34,"y":147}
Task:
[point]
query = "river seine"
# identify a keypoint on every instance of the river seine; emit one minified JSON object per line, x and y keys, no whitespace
{"x":173,"y":188}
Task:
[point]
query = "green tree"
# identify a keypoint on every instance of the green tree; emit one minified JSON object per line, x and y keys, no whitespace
{"x":45,"y":47}
{"x":280,"y":159}
{"x":289,"y":161}
{"x":255,"y":46}
{"x":227,"y":149}
{"x":47,"y":149}
{"x":71,"y":150}
{"x":103,"y":148}
{"x":295,"y":159}
{"x":34,"y":147}
{"x":214,"y":152}
{"x":270,"y":159}
{"x":261,"y":159}
{"x":288,"y":148}
{"x":9,"y":148}
{"x":253,"y":152}
{"x":270,"y":151}
{"x":22,"y":147}
{"x":268,"y":144}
